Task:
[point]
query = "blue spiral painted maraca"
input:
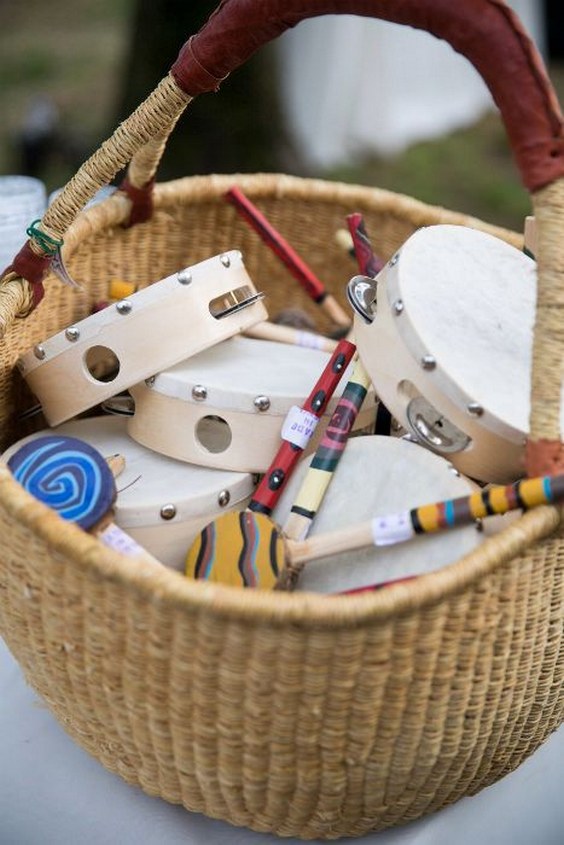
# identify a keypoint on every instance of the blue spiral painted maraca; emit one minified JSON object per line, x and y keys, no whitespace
{"x":68,"y":475}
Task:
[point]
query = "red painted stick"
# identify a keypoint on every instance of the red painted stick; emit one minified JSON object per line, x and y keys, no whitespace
{"x":368,"y":262}
{"x":312,"y":285}
{"x":274,"y":480}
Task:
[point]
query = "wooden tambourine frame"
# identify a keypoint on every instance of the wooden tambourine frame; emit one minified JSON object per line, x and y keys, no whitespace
{"x":449,"y":394}
{"x":149,"y":331}
{"x":222,"y":409}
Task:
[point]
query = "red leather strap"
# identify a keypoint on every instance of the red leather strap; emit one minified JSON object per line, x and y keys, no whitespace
{"x":544,"y":457}
{"x":33,"y":268}
{"x":141,"y":201}
{"x":487,"y":32}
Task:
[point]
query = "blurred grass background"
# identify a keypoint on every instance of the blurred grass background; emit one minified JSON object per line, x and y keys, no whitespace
{"x":76,"y":56}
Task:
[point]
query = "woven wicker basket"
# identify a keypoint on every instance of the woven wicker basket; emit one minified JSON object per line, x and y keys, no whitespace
{"x":288,"y":713}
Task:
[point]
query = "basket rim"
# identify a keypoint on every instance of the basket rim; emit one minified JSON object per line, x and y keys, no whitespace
{"x":303,"y":609}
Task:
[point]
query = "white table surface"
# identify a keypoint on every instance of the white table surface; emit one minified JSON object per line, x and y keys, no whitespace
{"x":53,"y":793}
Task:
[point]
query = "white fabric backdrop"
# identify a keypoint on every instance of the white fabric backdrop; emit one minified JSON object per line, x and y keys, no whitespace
{"x":355,"y":85}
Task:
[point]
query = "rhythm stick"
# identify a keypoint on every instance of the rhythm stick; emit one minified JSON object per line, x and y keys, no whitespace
{"x":288,"y":334}
{"x":312,"y":285}
{"x":426,"y":519}
{"x":73,"y":479}
{"x":235,"y":548}
{"x":369,"y":263}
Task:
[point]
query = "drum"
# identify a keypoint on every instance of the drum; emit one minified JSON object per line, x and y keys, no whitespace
{"x":445,"y":332}
{"x":162,"y":504}
{"x":378,"y":476}
{"x":151,"y":330}
{"x":225,"y":407}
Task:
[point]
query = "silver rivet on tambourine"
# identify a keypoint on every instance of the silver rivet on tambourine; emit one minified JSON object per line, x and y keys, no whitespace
{"x":454,"y":470}
{"x":398,"y":306}
{"x":39,"y":352}
{"x":224,"y":498}
{"x":261,"y":403}
{"x":168,"y":511}
{"x":475,"y":409}
{"x":72,"y":334}
{"x":394,"y":259}
{"x":150,"y":381}
{"x":184,"y":277}
{"x":225,"y":260}
{"x":428,"y":362}
{"x":199,"y":392}
{"x":123,"y":307}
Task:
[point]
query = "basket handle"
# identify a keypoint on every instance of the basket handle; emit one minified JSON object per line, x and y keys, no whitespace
{"x":487,"y":32}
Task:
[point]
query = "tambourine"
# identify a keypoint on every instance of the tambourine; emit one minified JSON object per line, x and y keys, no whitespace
{"x":136,"y":337}
{"x":226,"y":406}
{"x":445,"y":332}
{"x":378,"y":476}
{"x":162,"y":504}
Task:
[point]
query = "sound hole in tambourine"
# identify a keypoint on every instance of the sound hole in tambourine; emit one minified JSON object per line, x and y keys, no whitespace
{"x":213,"y":434}
{"x":102,"y":363}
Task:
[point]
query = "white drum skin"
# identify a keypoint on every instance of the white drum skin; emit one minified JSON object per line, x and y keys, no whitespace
{"x":378,"y":476}
{"x":452,"y":330}
{"x":148,"y":331}
{"x":162,"y":503}
{"x":225,"y":407}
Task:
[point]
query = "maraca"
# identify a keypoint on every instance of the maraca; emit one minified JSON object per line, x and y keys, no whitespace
{"x":72,"y":478}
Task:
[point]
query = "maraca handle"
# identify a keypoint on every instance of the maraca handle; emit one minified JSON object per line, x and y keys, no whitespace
{"x":427,"y":519}
{"x":274,"y":480}
{"x":312,"y":285}
{"x":115,"y":538}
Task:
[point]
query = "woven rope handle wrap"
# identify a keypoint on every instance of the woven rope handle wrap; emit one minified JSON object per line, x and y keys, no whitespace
{"x":487,"y":32}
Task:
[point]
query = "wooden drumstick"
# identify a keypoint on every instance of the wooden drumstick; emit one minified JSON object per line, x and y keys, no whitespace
{"x":312,"y":285}
{"x":426,"y":519}
{"x":73,"y":478}
{"x":227,"y":549}
{"x":291,"y":336}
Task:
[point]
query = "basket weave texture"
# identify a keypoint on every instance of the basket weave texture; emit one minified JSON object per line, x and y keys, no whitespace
{"x":294,"y":714}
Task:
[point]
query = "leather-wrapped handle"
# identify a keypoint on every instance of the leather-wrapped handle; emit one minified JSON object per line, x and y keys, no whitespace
{"x":487,"y":32}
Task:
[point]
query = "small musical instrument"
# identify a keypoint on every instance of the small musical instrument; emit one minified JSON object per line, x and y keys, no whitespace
{"x":225,"y":407}
{"x":445,"y":332}
{"x":162,"y":504}
{"x":149,"y":331}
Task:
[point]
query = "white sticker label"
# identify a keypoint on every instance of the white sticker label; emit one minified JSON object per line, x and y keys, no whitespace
{"x":396,"y":528}
{"x":119,"y":541}
{"x":298,"y":427}
{"x":311,"y":340}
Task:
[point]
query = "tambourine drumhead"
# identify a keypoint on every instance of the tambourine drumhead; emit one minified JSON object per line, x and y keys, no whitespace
{"x":162,"y":503}
{"x":377,"y":476}
{"x":149,"y":331}
{"x":225,"y":407}
{"x":449,"y":347}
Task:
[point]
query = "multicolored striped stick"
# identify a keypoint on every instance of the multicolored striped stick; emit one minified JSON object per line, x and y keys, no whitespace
{"x":326,"y":459}
{"x":312,"y":285}
{"x":427,"y":519}
{"x":241,"y":548}
{"x":72,"y":478}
